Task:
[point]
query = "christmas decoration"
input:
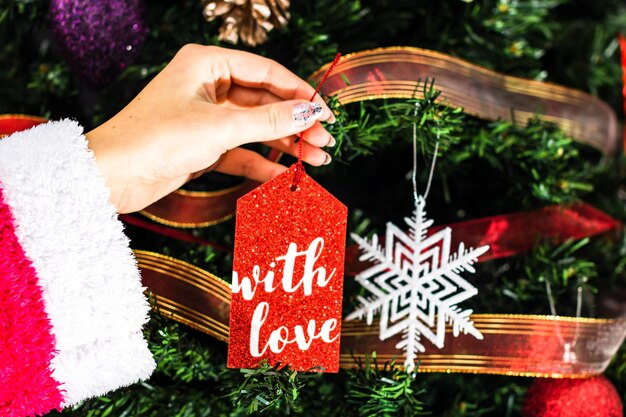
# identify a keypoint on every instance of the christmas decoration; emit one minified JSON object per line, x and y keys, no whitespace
{"x":99,"y":39}
{"x":248,"y":20}
{"x":416,"y":284}
{"x":497,"y":158}
{"x":287,"y":275}
{"x":188,"y":209}
{"x":528,"y":345}
{"x":515,"y":233}
{"x":572,"y":398}
{"x":396,"y":72}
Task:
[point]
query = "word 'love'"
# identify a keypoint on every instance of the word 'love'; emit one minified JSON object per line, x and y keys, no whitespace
{"x":281,"y":336}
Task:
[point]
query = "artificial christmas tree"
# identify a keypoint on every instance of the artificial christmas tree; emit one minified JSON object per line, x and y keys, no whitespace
{"x":526,"y":161}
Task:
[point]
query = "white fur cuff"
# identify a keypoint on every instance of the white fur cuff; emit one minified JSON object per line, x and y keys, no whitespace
{"x":69,"y":230}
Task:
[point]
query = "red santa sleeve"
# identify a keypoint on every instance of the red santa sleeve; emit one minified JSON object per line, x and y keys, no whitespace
{"x":71,"y":301}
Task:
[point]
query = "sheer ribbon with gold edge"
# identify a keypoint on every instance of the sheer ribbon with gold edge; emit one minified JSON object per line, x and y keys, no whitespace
{"x":189,"y":209}
{"x":514,"y":233}
{"x":394,"y":72}
{"x":512,"y":345}
{"x":521,"y":345}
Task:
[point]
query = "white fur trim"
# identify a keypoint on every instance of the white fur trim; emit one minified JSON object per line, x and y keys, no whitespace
{"x":69,"y":229}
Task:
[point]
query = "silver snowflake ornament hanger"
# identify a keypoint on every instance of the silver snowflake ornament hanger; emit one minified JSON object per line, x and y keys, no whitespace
{"x":415,"y":284}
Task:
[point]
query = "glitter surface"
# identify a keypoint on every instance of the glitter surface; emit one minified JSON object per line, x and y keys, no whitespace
{"x":588,"y":397}
{"x":269,"y":219}
{"x":100,"y":38}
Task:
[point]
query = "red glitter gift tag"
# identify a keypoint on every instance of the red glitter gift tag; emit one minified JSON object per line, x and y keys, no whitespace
{"x":288,"y":276}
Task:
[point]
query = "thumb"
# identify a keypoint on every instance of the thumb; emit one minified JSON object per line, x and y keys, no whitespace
{"x":275,"y":121}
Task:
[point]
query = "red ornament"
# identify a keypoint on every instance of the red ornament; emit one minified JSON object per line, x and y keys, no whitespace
{"x":288,"y":275}
{"x":588,"y":397}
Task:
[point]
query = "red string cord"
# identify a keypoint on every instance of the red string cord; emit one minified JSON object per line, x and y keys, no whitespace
{"x":299,"y":166}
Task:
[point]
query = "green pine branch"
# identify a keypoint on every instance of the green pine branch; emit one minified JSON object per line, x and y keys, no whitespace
{"x":384,"y":390}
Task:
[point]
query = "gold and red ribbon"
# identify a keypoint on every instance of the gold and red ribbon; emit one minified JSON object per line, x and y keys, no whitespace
{"x":190,"y":209}
{"x":521,"y":345}
{"x":515,"y":233}
{"x":513,"y":344}
{"x":395,"y":72}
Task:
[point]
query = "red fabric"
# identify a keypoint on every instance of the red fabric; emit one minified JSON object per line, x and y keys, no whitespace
{"x":515,"y":233}
{"x":11,"y":123}
{"x":26,"y":342}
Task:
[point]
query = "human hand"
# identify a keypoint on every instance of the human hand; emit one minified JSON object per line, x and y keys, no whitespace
{"x":193,"y":116}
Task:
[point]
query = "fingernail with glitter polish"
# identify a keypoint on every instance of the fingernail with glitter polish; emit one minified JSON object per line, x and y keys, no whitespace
{"x":304,"y":113}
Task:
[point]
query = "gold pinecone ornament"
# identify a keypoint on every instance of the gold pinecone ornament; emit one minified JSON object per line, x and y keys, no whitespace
{"x":248,"y":20}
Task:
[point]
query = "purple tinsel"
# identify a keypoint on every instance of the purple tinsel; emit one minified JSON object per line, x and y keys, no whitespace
{"x":99,"y":38}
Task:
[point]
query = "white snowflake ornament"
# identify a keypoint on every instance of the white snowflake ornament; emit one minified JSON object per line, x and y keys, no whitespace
{"x":415,"y":284}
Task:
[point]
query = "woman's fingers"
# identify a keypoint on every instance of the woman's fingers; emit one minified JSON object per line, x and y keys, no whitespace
{"x":249,"y":164}
{"x":254,"y":71}
{"x":261,"y":101}
{"x":318,"y":136}
{"x":310,"y":154}
{"x":244,"y":97}
{"x":268,"y":122}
